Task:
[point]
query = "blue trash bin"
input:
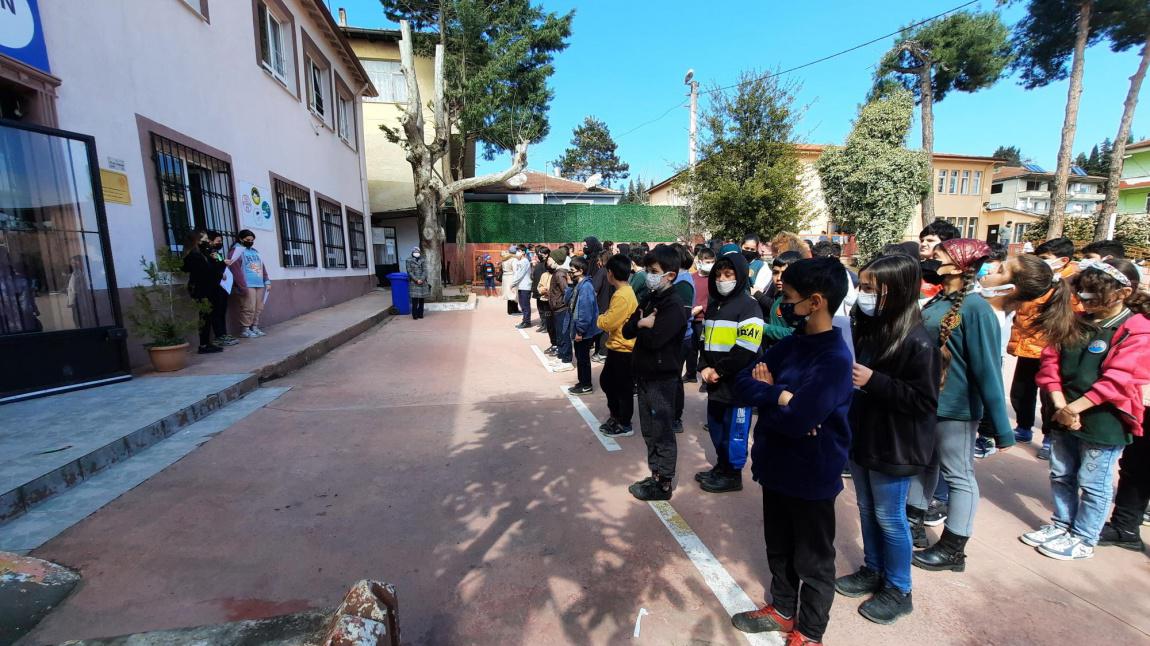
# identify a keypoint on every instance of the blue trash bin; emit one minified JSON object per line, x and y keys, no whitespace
{"x":400,"y":296}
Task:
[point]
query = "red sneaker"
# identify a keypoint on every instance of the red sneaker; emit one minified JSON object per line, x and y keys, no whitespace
{"x":798,"y":639}
{"x":765,"y":619}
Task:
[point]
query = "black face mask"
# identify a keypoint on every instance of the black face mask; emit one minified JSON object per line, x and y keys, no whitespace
{"x":751,"y":256}
{"x":247,"y":243}
{"x":930,"y":271}
{"x":797,"y":321}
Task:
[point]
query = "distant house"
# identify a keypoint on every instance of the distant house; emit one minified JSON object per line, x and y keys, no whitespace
{"x":1028,"y":188}
{"x":534,"y":187}
{"x":1134,"y":190}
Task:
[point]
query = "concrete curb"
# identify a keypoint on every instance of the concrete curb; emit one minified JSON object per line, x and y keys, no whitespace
{"x":297,"y":360}
{"x":472,"y":303}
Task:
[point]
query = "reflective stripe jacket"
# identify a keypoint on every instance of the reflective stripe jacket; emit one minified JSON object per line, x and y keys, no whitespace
{"x":732,"y":333}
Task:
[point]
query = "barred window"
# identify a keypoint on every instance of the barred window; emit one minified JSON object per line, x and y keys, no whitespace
{"x":195,"y":192}
{"x":331,"y":229}
{"x":297,"y":238}
{"x":357,"y":237}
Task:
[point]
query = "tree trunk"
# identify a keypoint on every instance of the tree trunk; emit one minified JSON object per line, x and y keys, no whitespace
{"x":431,"y":238}
{"x":1057,"y":215}
{"x":926,"y":90}
{"x":461,"y":261}
{"x":1110,"y":205}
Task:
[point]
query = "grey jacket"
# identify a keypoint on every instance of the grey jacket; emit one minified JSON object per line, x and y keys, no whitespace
{"x":417,"y":270}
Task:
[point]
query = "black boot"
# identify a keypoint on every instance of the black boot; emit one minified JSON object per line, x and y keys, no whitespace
{"x":887,"y":606}
{"x":653,"y":488}
{"x":706,"y":475}
{"x":722,"y":481}
{"x":947,"y":554}
{"x":865,"y":581}
{"x":917,"y":519}
{"x":1111,"y":535}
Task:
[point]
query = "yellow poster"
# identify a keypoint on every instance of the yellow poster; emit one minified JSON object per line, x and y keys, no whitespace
{"x":115,"y":187}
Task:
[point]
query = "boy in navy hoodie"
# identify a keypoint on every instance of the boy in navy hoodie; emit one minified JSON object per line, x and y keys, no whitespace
{"x":802,"y":388}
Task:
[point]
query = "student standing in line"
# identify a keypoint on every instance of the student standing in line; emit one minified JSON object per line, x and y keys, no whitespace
{"x":638,"y":280}
{"x":684,"y":286}
{"x":658,"y":327}
{"x":775,"y":327}
{"x":1096,"y":371}
{"x":929,"y":238}
{"x":560,"y":312}
{"x":507,"y":277}
{"x":487,"y":270}
{"x":219,"y":299}
{"x":802,"y":388}
{"x":733,"y":335}
{"x":521,"y":283}
{"x":897,"y":371}
{"x":204,"y":276}
{"x":252,"y":284}
{"x":538,"y":271}
{"x":759,"y":277}
{"x":617,"y":379}
{"x":968,"y":333}
{"x":704,"y":262}
{"x":418,"y":287}
{"x":584,"y":313}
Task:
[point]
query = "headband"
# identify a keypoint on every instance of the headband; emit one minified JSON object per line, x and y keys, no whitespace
{"x":1109,"y":270}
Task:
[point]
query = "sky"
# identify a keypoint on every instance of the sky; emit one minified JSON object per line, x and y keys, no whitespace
{"x":626,"y":62}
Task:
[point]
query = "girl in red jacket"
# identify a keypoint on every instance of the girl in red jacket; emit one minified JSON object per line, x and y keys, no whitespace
{"x":1095,"y":370}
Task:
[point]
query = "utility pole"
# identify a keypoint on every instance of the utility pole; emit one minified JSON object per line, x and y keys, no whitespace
{"x":694,"y":94}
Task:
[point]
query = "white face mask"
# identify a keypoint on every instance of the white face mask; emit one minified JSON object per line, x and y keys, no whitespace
{"x":868,"y":303}
{"x":725,"y":287}
{"x":705,"y":267}
{"x":1054,"y":263}
{"x":654,"y":282}
{"x":415,"y":255}
{"x":992,"y":292}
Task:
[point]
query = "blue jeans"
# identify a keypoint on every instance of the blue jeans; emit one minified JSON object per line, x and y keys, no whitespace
{"x":1076,"y":464}
{"x":887,"y":546}
{"x":563,"y":335}
{"x":525,"y":305}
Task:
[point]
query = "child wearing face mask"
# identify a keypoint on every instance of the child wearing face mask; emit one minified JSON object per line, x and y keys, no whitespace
{"x":704,"y":262}
{"x":1096,"y":373}
{"x":732,"y":337}
{"x":252,"y":283}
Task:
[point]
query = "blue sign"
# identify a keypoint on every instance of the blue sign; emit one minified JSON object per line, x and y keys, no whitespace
{"x":22,"y":34}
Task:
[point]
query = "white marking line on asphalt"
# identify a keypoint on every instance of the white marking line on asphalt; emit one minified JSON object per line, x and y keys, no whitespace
{"x":608,"y":443}
{"x":542,"y":357}
{"x":639,"y":622}
{"x":733,"y":598}
{"x":523,"y":333}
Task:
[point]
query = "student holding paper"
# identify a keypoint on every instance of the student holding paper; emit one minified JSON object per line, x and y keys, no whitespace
{"x":252,"y":285}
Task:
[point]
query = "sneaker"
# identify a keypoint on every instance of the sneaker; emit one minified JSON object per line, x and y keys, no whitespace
{"x":1042,"y":535}
{"x":227,"y":340}
{"x":847,"y":472}
{"x":580,"y":390}
{"x":1023,"y":435}
{"x":1146,"y":517}
{"x":887,"y":606}
{"x":619,"y":430}
{"x":210,"y":349}
{"x":865,"y":581}
{"x":551,"y":351}
{"x":1066,"y":548}
{"x":765,"y":619}
{"x":651,"y":489}
{"x":258,"y":331}
{"x":1044,"y":452}
{"x":795,"y":638}
{"x":562,"y":367}
{"x":935,"y":513}
{"x":721,"y":482}
{"x":984,"y":447}
{"x":1111,"y":535}
{"x":608,"y":425}
{"x":249,"y":334}
{"x":703,"y":475}
{"x":522,"y":326}
{"x":690,"y":379}
{"x":598,"y":358}
{"x":677,"y":426}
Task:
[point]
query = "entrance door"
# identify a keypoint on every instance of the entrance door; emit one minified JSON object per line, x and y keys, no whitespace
{"x":992,"y":234}
{"x":60,"y":322}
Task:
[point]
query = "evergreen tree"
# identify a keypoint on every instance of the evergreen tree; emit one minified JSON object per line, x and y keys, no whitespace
{"x":1081,"y":160}
{"x":592,"y":151}
{"x":1009,"y":154}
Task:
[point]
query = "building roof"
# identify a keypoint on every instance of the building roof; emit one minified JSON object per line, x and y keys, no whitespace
{"x":1142,"y":183}
{"x":538,"y":182}
{"x":372,"y":35}
{"x":1013,"y":172}
{"x":318,"y":11}
{"x":1139,"y":145}
{"x":1019,"y":212}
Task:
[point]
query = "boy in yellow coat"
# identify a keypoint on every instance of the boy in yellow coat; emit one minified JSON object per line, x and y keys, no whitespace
{"x":617,"y":380}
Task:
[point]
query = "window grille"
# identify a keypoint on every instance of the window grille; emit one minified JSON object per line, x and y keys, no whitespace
{"x":297,"y":238}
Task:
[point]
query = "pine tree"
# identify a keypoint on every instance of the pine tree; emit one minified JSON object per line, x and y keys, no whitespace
{"x":1012,"y":155}
{"x":592,"y":151}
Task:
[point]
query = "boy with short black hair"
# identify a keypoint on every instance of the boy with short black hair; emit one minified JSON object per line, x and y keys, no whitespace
{"x":1104,"y":250}
{"x":616,"y":379}
{"x":930,"y":237}
{"x":658,"y":326}
{"x":803,"y":389}
{"x":487,"y":270}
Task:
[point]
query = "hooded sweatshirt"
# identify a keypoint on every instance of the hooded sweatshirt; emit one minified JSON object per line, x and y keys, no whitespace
{"x":732,"y":330}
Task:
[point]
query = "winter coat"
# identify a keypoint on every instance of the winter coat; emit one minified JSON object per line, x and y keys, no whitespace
{"x":509,"y":292}
{"x":557,"y":291}
{"x":732,"y":332}
{"x":417,"y":270}
{"x":1026,"y":338}
{"x":658,"y":352}
{"x":623,"y":305}
{"x":522,"y":279}
{"x":584,"y":310}
{"x":204,"y":274}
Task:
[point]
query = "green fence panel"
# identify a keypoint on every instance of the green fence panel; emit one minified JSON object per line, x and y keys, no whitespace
{"x":510,"y":223}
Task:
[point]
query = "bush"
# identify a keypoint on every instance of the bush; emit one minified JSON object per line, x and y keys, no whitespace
{"x":162,"y":311}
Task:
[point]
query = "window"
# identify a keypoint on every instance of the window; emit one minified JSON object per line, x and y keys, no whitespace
{"x":994,"y":188}
{"x":195,"y":192}
{"x":965,"y":182}
{"x":972,"y":228}
{"x":331,"y":230}
{"x":387,"y":77}
{"x":198,"y":6}
{"x":1020,"y":231}
{"x":318,"y":88}
{"x":1032,"y":185}
{"x":941,"y":181}
{"x":953,"y":181}
{"x":274,"y":42}
{"x":345,"y":121}
{"x":297,"y":239}
{"x":976,"y":189}
{"x":357,"y":237}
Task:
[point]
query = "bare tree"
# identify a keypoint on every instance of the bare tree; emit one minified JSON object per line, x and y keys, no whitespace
{"x":1102,"y":226}
{"x":424,"y":155}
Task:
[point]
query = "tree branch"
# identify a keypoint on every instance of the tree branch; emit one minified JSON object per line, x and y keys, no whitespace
{"x":414,"y":108}
{"x":518,"y":163}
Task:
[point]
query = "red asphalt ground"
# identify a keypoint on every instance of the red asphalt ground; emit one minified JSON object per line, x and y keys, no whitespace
{"x":439,"y":455}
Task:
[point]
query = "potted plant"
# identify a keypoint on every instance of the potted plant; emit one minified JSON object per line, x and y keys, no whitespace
{"x":163,"y":313}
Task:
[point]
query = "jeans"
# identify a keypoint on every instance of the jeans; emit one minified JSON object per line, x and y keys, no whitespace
{"x":563,"y":334}
{"x":656,"y":398}
{"x":1076,"y":464}
{"x":887,"y":546}
{"x":583,"y":360}
{"x":618,"y":384}
{"x":954,"y":459}
{"x":525,"y":305}
{"x":1133,"y":482}
{"x":800,"y":537}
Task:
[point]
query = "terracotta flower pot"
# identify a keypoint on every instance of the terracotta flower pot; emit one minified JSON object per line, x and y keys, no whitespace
{"x":169,"y":358}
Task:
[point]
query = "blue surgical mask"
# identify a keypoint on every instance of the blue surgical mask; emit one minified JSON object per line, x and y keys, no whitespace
{"x":867,"y":303}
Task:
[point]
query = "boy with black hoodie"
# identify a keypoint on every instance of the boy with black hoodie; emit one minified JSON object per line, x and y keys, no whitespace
{"x":803,"y":389}
{"x":732,"y":336}
{"x":658,"y":327}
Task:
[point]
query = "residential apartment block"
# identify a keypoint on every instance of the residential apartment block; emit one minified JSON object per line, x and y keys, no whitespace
{"x":1134,"y":190}
{"x":1028,"y":188}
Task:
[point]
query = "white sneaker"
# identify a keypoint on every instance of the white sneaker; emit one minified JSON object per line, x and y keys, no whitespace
{"x":248,"y":334}
{"x":1066,"y":548}
{"x":562,"y":367}
{"x":258,"y":331}
{"x":1042,"y":535}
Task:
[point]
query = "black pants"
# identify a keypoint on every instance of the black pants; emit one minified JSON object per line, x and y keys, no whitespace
{"x":656,"y":407}
{"x":525,"y":305}
{"x":693,"y":348}
{"x":600,"y":342}
{"x":800,"y":536}
{"x":512,"y":307}
{"x":1024,"y":394}
{"x":417,"y":307}
{"x":219,"y":315}
{"x":618,"y":384}
{"x":549,"y":321}
{"x":1133,"y":482}
{"x":583,"y":361}
{"x":205,"y":322}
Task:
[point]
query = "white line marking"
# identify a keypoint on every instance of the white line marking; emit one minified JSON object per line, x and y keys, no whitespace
{"x":728,"y":592}
{"x":608,"y":443}
{"x":542,"y":358}
{"x":639,"y":621}
{"x":523,"y":333}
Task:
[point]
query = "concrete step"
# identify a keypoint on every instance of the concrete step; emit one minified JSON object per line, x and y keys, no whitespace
{"x":51,"y":444}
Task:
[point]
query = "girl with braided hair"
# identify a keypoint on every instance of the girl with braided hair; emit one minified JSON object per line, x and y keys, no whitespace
{"x":969,"y":337}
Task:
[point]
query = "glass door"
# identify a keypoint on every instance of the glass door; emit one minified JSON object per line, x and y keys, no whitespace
{"x":60,"y":322}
